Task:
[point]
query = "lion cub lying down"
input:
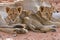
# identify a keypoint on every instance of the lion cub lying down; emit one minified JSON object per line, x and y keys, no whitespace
{"x":45,"y":14}
{"x":36,"y":26}
{"x":13,"y":22}
{"x":32,"y":21}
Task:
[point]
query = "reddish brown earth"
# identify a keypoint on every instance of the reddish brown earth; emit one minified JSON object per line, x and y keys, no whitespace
{"x":34,"y":36}
{"x":55,"y":3}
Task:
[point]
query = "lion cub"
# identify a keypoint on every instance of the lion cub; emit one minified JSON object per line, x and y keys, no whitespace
{"x":36,"y":26}
{"x":32,"y":22}
{"x":13,"y":15}
{"x":13,"y":21}
{"x":46,"y":13}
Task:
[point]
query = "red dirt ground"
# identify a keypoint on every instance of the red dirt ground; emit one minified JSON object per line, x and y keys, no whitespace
{"x":34,"y":36}
{"x":55,"y":3}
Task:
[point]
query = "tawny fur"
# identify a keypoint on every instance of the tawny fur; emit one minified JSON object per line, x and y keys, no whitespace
{"x":46,"y":13}
{"x":33,"y":21}
{"x":36,"y":26}
{"x":13,"y":15}
{"x":13,"y":21}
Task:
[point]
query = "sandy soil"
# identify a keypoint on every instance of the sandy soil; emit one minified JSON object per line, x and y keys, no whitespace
{"x":33,"y":36}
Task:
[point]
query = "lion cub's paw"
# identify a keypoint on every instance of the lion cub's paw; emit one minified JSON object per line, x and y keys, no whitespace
{"x":48,"y":28}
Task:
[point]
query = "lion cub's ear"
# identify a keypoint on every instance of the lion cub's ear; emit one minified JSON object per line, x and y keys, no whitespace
{"x":7,"y":9}
{"x":41,"y":9}
{"x":19,"y":9}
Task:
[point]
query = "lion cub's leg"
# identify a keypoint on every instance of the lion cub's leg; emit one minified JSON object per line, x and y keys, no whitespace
{"x":15,"y":29}
{"x":47,"y":28}
{"x":56,"y":23}
{"x":20,"y":28}
{"x":36,"y":26}
{"x":8,"y":30}
{"x":31,"y":24}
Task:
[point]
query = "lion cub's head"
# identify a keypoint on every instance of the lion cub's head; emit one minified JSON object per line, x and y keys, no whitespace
{"x":13,"y":12}
{"x":47,"y":11}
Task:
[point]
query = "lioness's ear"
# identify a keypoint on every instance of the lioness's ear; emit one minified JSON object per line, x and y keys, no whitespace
{"x":7,"y":9}
{"x":19,"y":9}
